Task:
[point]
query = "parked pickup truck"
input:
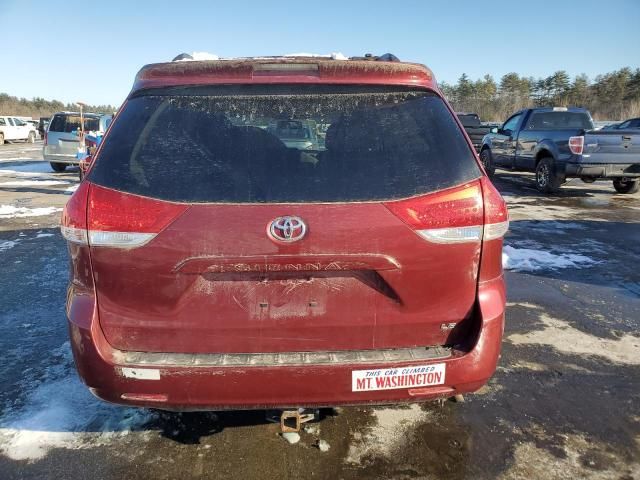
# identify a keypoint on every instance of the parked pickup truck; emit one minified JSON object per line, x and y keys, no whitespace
{"x":12,"y":128}
{"x":557,"y":143}
{"x":474,"y":128}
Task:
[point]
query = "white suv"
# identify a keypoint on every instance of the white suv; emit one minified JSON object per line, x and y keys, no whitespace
{"x":12,"y":128}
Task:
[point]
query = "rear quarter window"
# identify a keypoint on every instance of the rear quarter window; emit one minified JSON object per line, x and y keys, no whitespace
{"x":559,"y":120}
{"x":260,"y":144}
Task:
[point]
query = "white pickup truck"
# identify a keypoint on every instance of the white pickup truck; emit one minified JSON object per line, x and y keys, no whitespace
{"x":12,"y":128}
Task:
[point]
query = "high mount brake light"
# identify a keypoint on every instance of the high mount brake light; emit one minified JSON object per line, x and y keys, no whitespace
{"x":576,"y":145}
{"x":464,"y":214}
{"x":101,"y":217}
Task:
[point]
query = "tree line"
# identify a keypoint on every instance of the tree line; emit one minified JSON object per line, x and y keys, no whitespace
{"x":39,"y":107}
{"x":611,"y":96}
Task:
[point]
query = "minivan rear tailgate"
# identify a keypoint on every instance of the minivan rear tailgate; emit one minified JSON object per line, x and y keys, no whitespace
{"x":214,"y":282}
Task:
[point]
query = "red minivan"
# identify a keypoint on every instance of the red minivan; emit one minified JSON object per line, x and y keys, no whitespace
{"x":215,"y":265}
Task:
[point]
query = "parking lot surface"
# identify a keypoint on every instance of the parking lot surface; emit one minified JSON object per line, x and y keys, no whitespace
{"x":564,"y":402}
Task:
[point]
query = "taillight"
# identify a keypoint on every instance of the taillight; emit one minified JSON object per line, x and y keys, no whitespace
{"x":468,"y":213}
{"x":73,"y":224}
{"x":576,"y":145}
{"x":454,"y":215}
{"x":496,"y":224}
{"x":116,"y":219}
{"x":496,"y":215}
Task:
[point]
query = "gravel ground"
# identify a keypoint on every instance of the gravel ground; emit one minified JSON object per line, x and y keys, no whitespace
{"x":563,"y":403}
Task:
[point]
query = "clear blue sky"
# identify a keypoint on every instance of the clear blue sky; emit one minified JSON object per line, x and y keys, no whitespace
{"x":91,"y":50}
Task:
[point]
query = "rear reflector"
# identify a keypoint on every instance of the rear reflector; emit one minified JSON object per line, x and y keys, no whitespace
{"x":576,"y":145}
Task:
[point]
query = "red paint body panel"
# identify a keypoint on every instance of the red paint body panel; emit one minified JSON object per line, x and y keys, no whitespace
{"x":212,"y":281}
{"x":242,"y":72}
{"x":214,"y":388}
{"x":191,"y":291}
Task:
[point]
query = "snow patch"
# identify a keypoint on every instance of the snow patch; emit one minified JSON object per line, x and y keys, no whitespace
{"x":31,"y":167}
{"x":323,"y":446}
{"x":7,"y":244}
{"x":60,"y":412}
{"x":566,"y":338}
{"x":333,"y":55}
{"x":532,"y":260}
{"x":388,"y":435}
{"x":9,"y":211}
{"x":291,"y":437}
{"x":197,"y":56}
{"x":30,"y":183}
{"x":71,"y":189}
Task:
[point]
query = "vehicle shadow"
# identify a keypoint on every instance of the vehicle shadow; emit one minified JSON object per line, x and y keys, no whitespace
{"x":190,"y":427}
{"x":573,"y":188}
{"x":37,"y":190}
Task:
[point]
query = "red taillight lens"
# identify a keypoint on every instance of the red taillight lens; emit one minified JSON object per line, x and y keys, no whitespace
{"x":496,"y":215}
{"x":454,"y":215}
{"x":73,"y":224}
{"x":576,"y":145}
{"x":117,"y":219}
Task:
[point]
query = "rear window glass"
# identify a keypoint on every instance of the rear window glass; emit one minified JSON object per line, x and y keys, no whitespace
{"x":284,"y":143}
{"x":71,"y":123}
{"x":559,"y":120}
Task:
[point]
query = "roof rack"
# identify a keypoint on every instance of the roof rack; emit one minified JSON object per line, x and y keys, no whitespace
{"x":386,"y":57}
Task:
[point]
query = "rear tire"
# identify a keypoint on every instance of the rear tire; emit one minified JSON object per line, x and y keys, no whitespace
{"x":487,"y":162}
{"x":31,"y":138}
{"x":547,"y":180}
{"x":628,"y":186}
{"x":58,"y":167}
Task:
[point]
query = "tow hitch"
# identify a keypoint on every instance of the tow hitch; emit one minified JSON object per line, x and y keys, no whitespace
{"x":292,"y":420}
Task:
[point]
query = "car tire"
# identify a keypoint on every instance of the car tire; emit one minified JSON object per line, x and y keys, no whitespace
{"x":58,"y":167}
{"x":547,"y":180}
{"x":626,"y":186}
{"x":487,"y":162}
{"x":31,"y":138}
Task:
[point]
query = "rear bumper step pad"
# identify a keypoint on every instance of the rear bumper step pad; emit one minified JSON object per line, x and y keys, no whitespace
{"x":284,"y":358}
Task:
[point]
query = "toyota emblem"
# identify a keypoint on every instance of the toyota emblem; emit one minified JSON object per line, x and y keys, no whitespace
{"x":287,"y":229}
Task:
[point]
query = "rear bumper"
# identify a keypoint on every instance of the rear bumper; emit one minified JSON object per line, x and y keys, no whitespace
{"x":211,"y":387}
{"x":603,"y":170}
{"x":56,"y":158}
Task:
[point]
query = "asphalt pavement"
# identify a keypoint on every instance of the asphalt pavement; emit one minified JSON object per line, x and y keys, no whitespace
{"x":564,"y":402}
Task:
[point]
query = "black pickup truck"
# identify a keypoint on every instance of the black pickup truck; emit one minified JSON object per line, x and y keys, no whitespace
{"x":474,"y":128}
{"x":557,"y":143}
